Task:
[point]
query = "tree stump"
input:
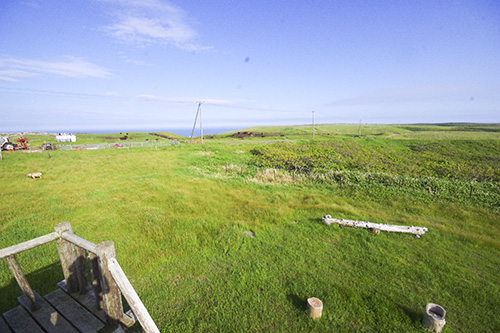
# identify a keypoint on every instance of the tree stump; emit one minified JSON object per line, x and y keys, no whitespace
{"x":314,"y":307}
{"x":434,"y":317}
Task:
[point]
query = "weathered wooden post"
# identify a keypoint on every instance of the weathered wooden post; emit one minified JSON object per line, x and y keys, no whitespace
{"x":96,"y":282}
{"x":434,"y":317}
{"x":112,"y":300}
{"x":67,"y":257}
{"x":314,"y":307}
{"x":22,"y":282}
{"x":80,"y":269}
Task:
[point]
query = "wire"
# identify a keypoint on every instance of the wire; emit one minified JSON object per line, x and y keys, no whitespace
{"x":54,"y":93}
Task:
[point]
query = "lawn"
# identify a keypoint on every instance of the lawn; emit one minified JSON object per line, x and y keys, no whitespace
{"x":178,"y":214}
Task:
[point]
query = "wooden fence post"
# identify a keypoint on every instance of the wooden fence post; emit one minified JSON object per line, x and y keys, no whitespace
{"x":96,"y":282}
{"x":112,"y":301}
{"x":22,"y":282}
{"x":67,"y":257}
{"x":80,"y":269}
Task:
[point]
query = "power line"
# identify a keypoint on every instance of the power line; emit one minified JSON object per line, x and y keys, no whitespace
{"x":313,"y":123}
{"x":55,"y":93}
{"x":42,"y":92}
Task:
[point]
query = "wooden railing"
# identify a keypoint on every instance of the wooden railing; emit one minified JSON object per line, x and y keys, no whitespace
{"x":109,"y":282}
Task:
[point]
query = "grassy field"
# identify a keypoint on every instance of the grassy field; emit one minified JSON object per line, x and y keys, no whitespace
{"x":178,"y":215}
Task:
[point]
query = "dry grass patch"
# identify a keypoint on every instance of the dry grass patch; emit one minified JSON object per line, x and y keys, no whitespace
{"x":276,"y":176}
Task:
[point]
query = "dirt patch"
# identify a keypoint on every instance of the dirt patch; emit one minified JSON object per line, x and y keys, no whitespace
{"x":164,"y":136}
{"x":241,"y":135}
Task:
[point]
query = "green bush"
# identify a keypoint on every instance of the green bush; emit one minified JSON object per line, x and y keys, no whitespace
{"x":454,"y":170}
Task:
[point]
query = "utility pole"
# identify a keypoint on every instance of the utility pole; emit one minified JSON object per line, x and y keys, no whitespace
{"x":194,"y":125}
{"x":313,"y":123}
{"x":201,"y":124}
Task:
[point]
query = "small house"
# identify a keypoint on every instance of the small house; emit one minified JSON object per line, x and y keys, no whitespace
{"x":65,"y":137}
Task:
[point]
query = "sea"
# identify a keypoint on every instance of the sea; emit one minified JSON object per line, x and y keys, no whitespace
{"x":185,"y":132}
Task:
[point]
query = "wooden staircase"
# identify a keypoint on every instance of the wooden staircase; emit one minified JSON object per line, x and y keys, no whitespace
{"x":76,"y":305}
{"x":57,"y":312}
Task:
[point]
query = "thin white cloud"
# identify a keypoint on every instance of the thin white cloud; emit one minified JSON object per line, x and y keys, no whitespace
{"x":13,"y":75}
{"x":212,"y":101}
{"x":153,"y":98}
{"x":208,"y":101}
{"x":112,"y":94}
{"x":12,"y":69}
{"x":151,"y":22}
{"x":149,"y":29}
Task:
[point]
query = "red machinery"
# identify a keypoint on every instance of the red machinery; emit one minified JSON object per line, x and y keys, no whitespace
{"x":5,"y":144}
{"x":22,"y":143}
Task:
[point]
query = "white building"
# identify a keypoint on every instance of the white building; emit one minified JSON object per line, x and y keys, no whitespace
{"x":65,"y":137}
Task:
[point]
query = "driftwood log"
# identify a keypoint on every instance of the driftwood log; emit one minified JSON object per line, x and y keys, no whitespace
{"x":376,"y":227}
{"x":434,"y":317}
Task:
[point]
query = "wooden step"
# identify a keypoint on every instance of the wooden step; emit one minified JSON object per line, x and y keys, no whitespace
{"x":4,"y":328}
{"x":87,"y":300}
{"x":20,"y":321}
{"x":59,"y":312}
{"x":90,"y":302}
{"x":75,"y":313}
{"x":46,"y":316}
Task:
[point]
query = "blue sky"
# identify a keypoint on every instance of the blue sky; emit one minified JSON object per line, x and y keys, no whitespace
{"x":122,"y":65}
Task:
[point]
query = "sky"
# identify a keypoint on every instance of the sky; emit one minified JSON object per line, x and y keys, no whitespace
{"x":124,"y":65}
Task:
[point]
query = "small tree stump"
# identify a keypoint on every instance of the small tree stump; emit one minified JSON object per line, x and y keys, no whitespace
{"x":434,"y":317}
{"x":314,"y":307}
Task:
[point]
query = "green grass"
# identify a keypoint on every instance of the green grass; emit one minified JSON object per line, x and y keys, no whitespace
{"x":393,"y":132}
{"x":177,"y":217}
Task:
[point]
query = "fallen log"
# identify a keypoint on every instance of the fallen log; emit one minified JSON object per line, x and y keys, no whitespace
{"x":376,"y":227}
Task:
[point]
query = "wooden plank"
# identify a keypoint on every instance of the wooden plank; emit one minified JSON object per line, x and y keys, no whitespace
{"x":77,"y":240}
{"x":21,"y":247}
{"x":80,"y":317}
{"x":22,"y":282}
{"x":20,"y":321}
{"x":87,"y":300}
{"x":47,"y":317}
{"x":4,"y":328}
{"x":131,"y":296}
